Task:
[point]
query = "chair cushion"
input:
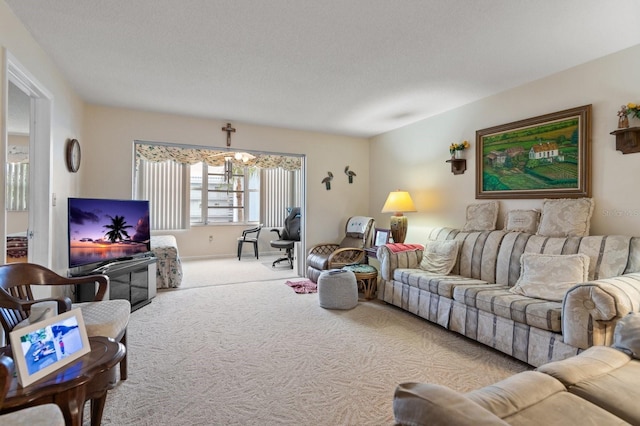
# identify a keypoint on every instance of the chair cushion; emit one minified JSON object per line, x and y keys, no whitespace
{"x":498,"y":300}
{"x":360,"y":269}
{"x":356,"y":242}
{"x":40,"y":415}
{"x":422,"y":404}
{"x":282,"y":244}
{"x":108,"y":318}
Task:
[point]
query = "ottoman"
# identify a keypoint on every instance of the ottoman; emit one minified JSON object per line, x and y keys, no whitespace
{"x":337,"y":289}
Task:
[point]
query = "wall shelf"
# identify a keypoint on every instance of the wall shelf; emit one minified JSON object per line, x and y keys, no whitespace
{"x":627,"y":140}
{"x":458,"y":165}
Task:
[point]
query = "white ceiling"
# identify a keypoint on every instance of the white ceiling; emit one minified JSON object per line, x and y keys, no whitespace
{"x":353,"y":67}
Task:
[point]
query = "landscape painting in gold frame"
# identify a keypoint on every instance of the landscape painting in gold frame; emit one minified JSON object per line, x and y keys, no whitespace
{"x":548,"y":156}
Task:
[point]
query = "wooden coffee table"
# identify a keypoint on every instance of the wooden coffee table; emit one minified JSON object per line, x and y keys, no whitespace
{"x":87,"y":378}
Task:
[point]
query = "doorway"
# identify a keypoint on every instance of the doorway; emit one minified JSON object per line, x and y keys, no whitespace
{"x":38,"y":208}
{"x":17,"y":174}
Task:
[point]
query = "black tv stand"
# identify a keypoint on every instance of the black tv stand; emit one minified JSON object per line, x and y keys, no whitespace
{"x":132,"y":279}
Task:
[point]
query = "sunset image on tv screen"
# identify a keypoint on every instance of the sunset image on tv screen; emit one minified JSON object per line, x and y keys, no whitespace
{"x":102,"y":230}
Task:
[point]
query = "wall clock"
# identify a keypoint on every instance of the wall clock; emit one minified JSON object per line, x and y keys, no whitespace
{"x":73,"y":155}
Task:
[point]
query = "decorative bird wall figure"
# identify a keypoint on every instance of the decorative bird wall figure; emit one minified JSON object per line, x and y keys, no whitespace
{"x":327,"y":180}
{"x":349,"y":173}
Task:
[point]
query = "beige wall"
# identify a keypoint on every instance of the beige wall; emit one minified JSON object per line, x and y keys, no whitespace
{"x":413,"y":158}
{"x":108,"y":155}
{"x":66,"y":120}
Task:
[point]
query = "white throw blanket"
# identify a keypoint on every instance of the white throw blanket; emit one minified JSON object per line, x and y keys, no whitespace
{"x":358,"y":224}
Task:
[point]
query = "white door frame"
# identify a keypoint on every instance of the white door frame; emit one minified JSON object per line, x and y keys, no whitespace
{"x":40,"y":215}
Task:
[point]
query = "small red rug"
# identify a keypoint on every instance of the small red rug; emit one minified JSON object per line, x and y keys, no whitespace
{"x":303,"y":287}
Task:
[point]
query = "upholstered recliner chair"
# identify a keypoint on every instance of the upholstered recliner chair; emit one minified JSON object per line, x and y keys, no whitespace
{"x":359,"y":233}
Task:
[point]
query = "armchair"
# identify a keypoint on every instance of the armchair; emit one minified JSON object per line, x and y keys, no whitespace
{"x":358,"y":236}
{"x":107,"y":318}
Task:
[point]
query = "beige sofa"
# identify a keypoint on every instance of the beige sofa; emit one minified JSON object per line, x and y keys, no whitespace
{"x":597,"y":387}
{"x":475,"y":300}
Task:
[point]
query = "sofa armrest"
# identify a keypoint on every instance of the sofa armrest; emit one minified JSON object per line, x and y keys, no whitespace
{"x":591,"y":310}
{"x":429,"y":404}
{"x":389,"y":260}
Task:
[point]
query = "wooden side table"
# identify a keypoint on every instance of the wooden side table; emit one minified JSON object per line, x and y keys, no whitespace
{"x":367,"y":278}
{"x":87,"y":378}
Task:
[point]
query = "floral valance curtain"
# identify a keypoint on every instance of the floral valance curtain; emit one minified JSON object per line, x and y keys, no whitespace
{"x":159,"y":153}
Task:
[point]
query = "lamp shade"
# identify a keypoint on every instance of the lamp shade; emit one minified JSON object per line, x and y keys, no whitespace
{"x":398,"y":202}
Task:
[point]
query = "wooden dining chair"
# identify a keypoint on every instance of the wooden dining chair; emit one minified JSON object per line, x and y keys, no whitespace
{"x":108,"y":318}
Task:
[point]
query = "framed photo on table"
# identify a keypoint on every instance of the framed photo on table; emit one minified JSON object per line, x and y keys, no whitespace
{"x":381,"y":237}
{"x":48,"y":345}
{"x":548,"y":156}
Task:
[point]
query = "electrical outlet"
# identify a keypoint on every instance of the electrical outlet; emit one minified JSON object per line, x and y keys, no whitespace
{"x":210,"y":238}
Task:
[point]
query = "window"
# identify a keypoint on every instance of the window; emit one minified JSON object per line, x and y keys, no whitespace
{"x":232,"y":197}
{"x":189,"y":185}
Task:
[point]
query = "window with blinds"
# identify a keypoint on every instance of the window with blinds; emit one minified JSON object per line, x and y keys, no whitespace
{"x":164,"y":184}
{"x":184,"y":189}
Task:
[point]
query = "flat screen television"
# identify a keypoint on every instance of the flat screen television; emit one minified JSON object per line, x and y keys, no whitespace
{"x":102,"y":231}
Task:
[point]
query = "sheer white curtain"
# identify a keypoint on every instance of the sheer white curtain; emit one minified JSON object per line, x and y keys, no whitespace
{"x":17,"y":196}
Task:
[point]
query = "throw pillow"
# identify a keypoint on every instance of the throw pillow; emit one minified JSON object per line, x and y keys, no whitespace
{"x":626,"y":336}
{"x":549,"y":276}
{"x":522,"y":221}
{"x":423,"y":404}
{"x":481,"y":217}
{"x":439,"y":257}
{"x":566,"y":217}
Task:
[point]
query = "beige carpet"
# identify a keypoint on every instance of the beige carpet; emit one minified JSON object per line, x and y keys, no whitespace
{"x":259,"y":354}
{"x":208,"y":272}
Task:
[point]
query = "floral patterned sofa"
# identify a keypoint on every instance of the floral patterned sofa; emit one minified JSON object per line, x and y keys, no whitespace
{"x":169,"y":266}
{"x":477,"y":298}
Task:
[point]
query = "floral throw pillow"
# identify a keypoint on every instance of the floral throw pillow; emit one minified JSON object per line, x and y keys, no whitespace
{"x":550,"y":276}
{"x":481,"y":217}
{"x":522,"y":221}
{"x":566,"y":217}
{"x":439,"y":257}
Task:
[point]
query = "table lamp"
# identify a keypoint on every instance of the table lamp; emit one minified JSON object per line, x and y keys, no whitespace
{"x":398,"y":202}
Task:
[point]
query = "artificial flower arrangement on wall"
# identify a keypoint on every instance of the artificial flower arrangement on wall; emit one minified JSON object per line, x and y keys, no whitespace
{"x":455,"y":149}
{"x":627,"y":110}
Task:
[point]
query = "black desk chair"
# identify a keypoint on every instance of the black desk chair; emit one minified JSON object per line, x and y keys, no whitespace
{"x":246,"y":238}
{"x":287,"y":236}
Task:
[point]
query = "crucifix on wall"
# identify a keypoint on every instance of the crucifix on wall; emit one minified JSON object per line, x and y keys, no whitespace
{"x":229,"y":130}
